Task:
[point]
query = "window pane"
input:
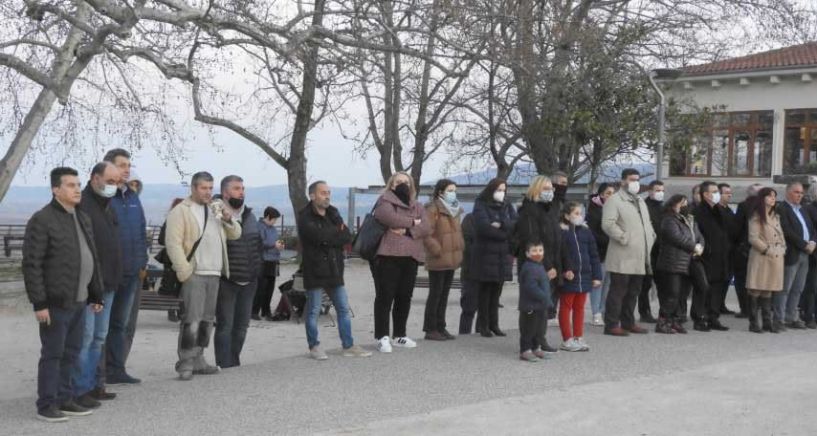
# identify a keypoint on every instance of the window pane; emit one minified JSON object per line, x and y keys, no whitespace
{"x":793,"y":153}
{"x":812,"y":117}
{"x":741,"y":118}
{"x":720,"y":153}
{"x":794,"y":118}
{"x":766,"y":120}
{"x":763,"y":154}
{"x":740,"y":154}
{"x":720,"y":120}
{"x":698,"y":157}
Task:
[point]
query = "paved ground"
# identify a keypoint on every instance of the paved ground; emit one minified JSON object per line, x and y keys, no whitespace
{"x":703,"y":384}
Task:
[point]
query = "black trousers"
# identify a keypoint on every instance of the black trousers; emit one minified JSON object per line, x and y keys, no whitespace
{"x":394,"y":286}
{"x":266,"y":288}
{"x":439,"y":285}
{"x":644,"y":296}
{"x":671,"y":287}
{"x":469,"y":303}
{"x":621,"y":299}
{"x":532,"y":330}
{"x":808,"y":299}
{"x":706,"y":302}
{"x":488,"y":314}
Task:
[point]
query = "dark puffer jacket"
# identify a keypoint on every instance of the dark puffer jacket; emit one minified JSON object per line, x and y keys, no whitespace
{"x":245,"y":252}
{"x":534,"y":287}
{"x":51,"y":258}
{"x":594,"y":223}
{"x":106,"y":227}
{"x":678,"y":235}
{"x":539,"y":222}
{"x":490,"y":258}
{"x":579,"y":255}
{"x":322,"y":239}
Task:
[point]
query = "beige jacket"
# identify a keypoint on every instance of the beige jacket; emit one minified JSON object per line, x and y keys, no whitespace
{"x":766,"y":258}
{"x":182,"y":232}
{"x":626,"y":220}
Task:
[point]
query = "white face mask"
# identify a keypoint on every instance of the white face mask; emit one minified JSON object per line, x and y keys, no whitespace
{"x":716,"y":197}
{"x":658,"y":196}
{"x":634,"y":187}
{"x":546,"y":196}
{"x":450,"y":197}
{"x":499,"y":196}
{"x":577,"y":220}
{"x":108,"y":191}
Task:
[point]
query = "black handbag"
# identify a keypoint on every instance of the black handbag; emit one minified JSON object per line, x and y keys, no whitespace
{"x":367,"y":239}
{"x":170,"y":282}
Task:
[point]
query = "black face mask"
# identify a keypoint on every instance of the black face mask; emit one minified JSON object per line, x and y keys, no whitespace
{"x":685,"y":210}
{"x":403,"y":192}
{"x":560,"y":191}
{"x":236,"y":203}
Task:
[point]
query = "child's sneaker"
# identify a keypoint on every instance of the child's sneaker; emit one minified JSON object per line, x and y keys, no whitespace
{"x":542,"y":354}
{"x":384,"y":345}
{"x":598,"y":320}
{"x":583,"y":344}
{"x":404,"y":342}
{"x":528,"y":356}
{"x":570,"y":345}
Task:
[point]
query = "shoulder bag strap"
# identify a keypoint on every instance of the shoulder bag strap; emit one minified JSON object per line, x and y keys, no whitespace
{"x":196,"y":244}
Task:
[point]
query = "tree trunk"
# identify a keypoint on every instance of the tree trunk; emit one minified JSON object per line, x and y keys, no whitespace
{"x":296,"y":165}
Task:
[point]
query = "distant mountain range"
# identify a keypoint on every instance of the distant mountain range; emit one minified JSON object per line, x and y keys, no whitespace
{"x":22,"y":201}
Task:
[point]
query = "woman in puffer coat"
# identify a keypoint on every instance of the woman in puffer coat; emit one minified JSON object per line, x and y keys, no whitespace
{"x":444,"y":249}
{"x":582,"y":272}
{"x":681,"y":241}
{"x":494,"y":220}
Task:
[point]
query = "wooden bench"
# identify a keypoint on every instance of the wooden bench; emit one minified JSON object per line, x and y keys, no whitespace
{"x":151,"y":300}
{"x":422,"y":282}
{"x":11,"y":243}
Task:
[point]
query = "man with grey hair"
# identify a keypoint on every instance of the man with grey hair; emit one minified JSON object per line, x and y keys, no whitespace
{"x":740,"y":259}
{"x":800,"y":244}
{"x":196,"y":242}
{"x":236,"y":292}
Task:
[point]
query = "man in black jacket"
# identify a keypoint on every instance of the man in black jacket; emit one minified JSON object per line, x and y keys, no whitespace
{"x":740,"y":255}
{"x":89,"y":384}
{"x":61,"y":277}
{"x":236,"y":293}
{"x":706,"y":304}
{"x":800,"y":244}
{"x":730,"y":219}
{"x":655,"y":204}
{"x":323,"y":235}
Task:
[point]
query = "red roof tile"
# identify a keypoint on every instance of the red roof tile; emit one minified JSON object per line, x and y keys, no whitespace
{"x":804,"y":55}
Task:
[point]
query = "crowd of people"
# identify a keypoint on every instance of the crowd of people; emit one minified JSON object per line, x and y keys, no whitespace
{"x":85,"y":255}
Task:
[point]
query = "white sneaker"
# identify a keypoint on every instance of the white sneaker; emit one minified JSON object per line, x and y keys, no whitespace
{"x":317,"y":354}
{"x":384,"y":345}
{"x":598,"y":320}
{"x":583,"y":344}
{"x":404,"y":342}
{"x":570,"y":345}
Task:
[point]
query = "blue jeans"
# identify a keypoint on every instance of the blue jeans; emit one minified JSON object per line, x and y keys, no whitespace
{"x":313,"y":310}
{"x":794,"y":280}
{"x":116,"y":347}
{"x":599,"y":294}
{"x":96,"y":329}
{"x":61,"y":341}
{"x":233,"y":309}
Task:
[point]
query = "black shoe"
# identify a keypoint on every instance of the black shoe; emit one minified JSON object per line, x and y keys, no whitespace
{"x":87,"y":401}
{"x":811,"y":325}
{"x":725,"y":311}
{"x":716,"y":325}
{"x":497,"y":332}
{"x":447,"y":335}
{"x":778,"y":327}
{"x":173,"y":316}
{"x":741,"y":315}
{"x":486,"y":333}
{"x":51,"y":414}
{"x":796,"y":325}
{"x":255,"y":317}
{"x":754,"y":328}
{"x":701,"y":326}
{"x":100,"y":394}
{"x":71,"y":408}
{"x":121,"y":378}
{"x":548,"y":349}
{"x":647,"y":318}
{"x":280,"y":317}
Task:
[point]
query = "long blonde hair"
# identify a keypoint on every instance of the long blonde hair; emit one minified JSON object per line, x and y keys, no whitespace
{"x":537,"y":185}
{"x":390,"y":184}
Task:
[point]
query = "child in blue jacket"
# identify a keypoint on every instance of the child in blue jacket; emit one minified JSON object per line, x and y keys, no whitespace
{"x":534,"y":301}
{"x":581,"y":272}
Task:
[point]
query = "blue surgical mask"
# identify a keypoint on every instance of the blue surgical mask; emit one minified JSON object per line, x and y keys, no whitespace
{"x":546,"y":196}
{"x":108,"y":191}
{"x":450,"y":197}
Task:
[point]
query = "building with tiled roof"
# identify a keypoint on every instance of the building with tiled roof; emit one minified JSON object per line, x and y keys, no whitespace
{"x":766,"y":123}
